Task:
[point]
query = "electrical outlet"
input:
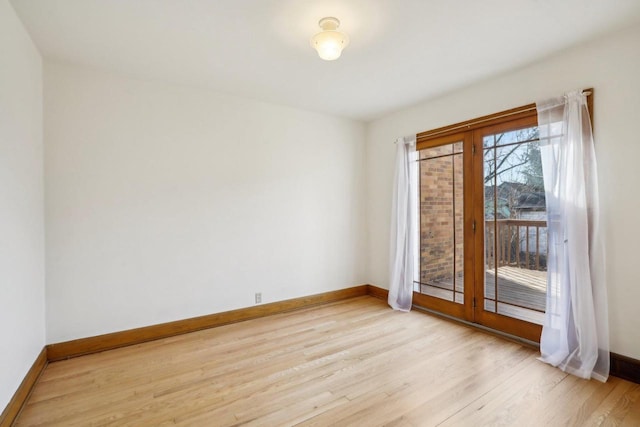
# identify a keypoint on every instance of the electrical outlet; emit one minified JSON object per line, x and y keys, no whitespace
{"x":258,"y":297}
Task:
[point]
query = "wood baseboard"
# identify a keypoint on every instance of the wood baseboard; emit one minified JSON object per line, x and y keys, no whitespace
{"x":82,"y":346}
{"x":377,"y":292}
{"x":625,"y":367}
{"x":19,"y":398}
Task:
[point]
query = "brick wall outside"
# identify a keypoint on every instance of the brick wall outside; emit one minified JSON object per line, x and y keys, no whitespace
{"x":441,"y":184}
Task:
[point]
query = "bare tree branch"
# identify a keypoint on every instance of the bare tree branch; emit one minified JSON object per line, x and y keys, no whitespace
{"x":490,"y":177}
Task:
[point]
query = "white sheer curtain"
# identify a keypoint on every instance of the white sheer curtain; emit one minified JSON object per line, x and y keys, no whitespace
{"x":575,"y":336}
{"x":403,"y":226}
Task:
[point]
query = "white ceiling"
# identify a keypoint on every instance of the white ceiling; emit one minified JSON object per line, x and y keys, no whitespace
{"x":401,"y":51}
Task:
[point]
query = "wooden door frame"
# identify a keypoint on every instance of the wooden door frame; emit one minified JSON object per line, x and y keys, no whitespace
{"x":465,"y":310}
{"x":472,"y":309}
{"x":510,"y":325}
{"x":471,"y":129}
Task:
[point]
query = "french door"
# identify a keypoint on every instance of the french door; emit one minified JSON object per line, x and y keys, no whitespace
{"x":483,"y":227}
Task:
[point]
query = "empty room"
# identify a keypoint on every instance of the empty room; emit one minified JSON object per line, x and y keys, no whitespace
{"x":319,"y":213}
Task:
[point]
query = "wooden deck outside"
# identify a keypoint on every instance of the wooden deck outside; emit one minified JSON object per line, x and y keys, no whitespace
{"x":518,"y":286}
{"x":521,"y":292}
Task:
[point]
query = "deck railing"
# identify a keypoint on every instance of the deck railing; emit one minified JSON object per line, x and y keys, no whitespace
{"x":519,"y":242}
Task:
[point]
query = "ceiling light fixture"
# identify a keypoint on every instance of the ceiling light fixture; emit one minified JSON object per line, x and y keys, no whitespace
{"x":329,"y":42}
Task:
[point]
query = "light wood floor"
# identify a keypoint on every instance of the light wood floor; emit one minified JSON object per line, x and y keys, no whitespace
{"x":354,"y":362}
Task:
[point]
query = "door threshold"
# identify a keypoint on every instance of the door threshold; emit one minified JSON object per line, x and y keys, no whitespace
{"x":510,"y":337}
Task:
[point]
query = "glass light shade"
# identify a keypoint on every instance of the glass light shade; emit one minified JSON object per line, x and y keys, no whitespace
{"x":329,"y":42}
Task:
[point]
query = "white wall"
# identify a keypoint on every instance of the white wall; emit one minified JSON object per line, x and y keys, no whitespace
{"x":22,"y":331}
{"x":167,"y":202}
{"x":611,"y":66}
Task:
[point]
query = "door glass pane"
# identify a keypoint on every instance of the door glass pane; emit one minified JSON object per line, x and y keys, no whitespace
{"x":515,"y":226}
{"x":511,"y":137}
{"x":442,"y":150}
{"x":441,"y":222}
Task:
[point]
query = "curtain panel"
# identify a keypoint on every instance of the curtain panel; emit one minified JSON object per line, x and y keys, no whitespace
{"x":575,"y":335}
{"x":404,"y":228}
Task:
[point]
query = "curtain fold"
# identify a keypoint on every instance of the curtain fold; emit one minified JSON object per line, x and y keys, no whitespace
{"x":403,"y":226}
{"x":575,"y":335}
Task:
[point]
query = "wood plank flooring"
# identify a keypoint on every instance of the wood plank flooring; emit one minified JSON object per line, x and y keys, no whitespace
{"x":353,"y":362}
